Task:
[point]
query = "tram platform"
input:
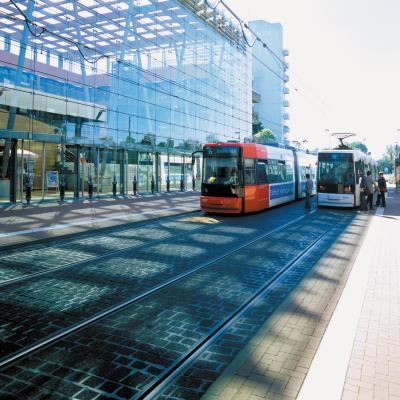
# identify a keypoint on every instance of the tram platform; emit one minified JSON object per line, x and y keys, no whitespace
{"x":337,"y":336}
{"x":21,"y":223}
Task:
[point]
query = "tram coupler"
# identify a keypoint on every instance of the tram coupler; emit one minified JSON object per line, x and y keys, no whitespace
{"x":182,"y":184}
{"x":114,"y":187}
{"x":134,"y":183}
{"x":90,"y":188}
{"x":152,"y":185}
{"x":168,"y":185}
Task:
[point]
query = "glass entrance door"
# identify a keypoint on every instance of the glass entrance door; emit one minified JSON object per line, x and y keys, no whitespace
{"x":146,"y":173}
{"x":110,"y":169}
{"x":6,"y":169}
{"x":69,"y":167}
{"x":31,"y":158}
{"x":175,"y":171}
{"x":132,"y":170}
{"x":88,"y":167}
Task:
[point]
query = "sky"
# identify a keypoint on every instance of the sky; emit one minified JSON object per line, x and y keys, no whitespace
{"x":344,"y":67}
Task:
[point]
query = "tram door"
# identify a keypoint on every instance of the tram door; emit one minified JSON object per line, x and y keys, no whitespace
{"x":145,"y":171}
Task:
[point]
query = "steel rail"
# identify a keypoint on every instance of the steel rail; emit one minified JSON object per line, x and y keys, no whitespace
{"x":4,"y":248}
{"x":91,"y":259}
{"x":5,"y":361}
{"x":166,"y":378}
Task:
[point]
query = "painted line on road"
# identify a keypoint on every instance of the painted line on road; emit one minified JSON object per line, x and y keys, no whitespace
{"x":326,"y":376}
{"x":88,"y":221}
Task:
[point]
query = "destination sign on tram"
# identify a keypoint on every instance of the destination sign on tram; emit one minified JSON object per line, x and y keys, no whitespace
{"x":226,"y":151}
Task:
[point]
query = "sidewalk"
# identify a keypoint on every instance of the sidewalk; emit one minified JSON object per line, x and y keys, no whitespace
{"x":338,"y":335}
{"x":22,"y":223}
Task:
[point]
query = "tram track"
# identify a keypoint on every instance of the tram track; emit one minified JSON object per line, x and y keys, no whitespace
{"x":27,"y":350}
{"x":119,"y":354}
{"x":161,"y":383}
{"x":119,"y":349}
{"x":46,"y":251}
{"x":39,"y":308}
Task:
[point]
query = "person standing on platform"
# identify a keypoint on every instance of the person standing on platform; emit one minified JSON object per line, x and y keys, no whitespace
{"x":382,"y":189}
{"x":309,"y":188}
{"x":369,"y":188}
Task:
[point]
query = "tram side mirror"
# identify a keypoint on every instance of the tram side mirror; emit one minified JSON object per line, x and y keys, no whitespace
{"x":194,"y":157}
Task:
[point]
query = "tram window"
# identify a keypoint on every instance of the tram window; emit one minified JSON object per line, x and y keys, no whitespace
{"x":282,"y":171}
{"x":303,"y":172}
{"x":276,"y":171}
{"x":359,"y":167}
{"x":261,"y":172}
{"x":249,"y":171}
{"x":336,"y":168}
{"x":289,"y":171}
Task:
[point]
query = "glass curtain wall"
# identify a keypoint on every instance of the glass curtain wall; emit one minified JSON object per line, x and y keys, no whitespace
{"x":153,"y":78}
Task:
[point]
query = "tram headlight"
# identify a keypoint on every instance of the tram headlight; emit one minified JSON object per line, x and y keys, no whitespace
{"x":321,"y":188}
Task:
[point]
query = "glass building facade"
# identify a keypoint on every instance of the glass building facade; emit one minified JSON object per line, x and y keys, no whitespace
{"x":116,"y":91}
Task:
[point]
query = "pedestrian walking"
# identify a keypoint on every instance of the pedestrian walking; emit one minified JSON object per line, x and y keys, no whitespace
{"x":382,"y":189}
{"x":309,"y":188}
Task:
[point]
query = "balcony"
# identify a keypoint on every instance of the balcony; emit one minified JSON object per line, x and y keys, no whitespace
{"x":285,"y":103}
{"x":285,"y":90}
{"x":286,"y":116}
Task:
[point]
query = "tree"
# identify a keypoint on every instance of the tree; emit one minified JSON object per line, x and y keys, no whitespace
{"x":386,"y":163}
{"x":265,"y":135}
{"x":257,"y":127}
{"x":359,"y":145}
{"x":390,"y":153}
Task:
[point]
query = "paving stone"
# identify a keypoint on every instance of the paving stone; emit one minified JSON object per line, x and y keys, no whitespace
{"x":193,"y":306}
{"x":300,"y":370}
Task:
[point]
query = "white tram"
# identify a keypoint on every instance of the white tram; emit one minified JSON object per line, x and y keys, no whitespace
{"x":338,"y":178}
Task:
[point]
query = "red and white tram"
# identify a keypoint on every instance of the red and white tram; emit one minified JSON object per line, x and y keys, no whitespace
{"x":247,"y":177}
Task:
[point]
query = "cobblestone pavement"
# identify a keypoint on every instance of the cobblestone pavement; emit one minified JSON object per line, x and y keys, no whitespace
{"x":41,"y":306}
{"x":118,"y":355}
{"x":58,"y":253}
{"x":271,"y":366}
{"x":275,"y":361}
{"x":42,"y":257}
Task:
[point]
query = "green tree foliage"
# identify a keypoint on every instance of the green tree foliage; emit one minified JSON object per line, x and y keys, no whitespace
{"x":265,"y":135}
{"x":257,"y":127}
{"x":386,"y":163}
{"x":359,"y":145}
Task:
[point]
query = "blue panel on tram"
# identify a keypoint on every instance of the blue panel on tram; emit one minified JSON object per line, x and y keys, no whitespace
{"x":281,"y":190}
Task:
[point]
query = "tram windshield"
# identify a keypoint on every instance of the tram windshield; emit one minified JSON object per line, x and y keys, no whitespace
{"x":221,"y":165}
{"x":336,"y":168}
